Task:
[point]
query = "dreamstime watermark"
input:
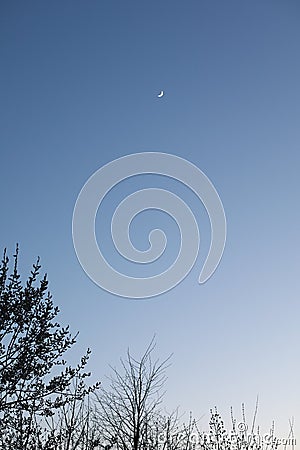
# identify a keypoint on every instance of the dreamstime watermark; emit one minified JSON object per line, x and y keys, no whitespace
{"x":97,"y":187}
{"x":200,"y":440}
{"x":235,"y":439}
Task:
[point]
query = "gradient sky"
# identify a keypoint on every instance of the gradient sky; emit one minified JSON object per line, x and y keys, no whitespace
{"x":79,"y":85}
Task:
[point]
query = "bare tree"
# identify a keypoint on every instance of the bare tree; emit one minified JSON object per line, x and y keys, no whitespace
{"x":128,"y":414}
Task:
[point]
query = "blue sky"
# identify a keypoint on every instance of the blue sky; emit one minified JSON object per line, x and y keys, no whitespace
{"x":79,"y":85}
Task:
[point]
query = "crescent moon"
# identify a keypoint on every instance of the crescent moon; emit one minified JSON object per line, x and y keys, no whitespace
{"x":160,"y":94}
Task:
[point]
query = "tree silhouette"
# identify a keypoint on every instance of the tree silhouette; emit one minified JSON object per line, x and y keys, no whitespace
{"x":128,"y":414}
{"x":34,"y":377}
